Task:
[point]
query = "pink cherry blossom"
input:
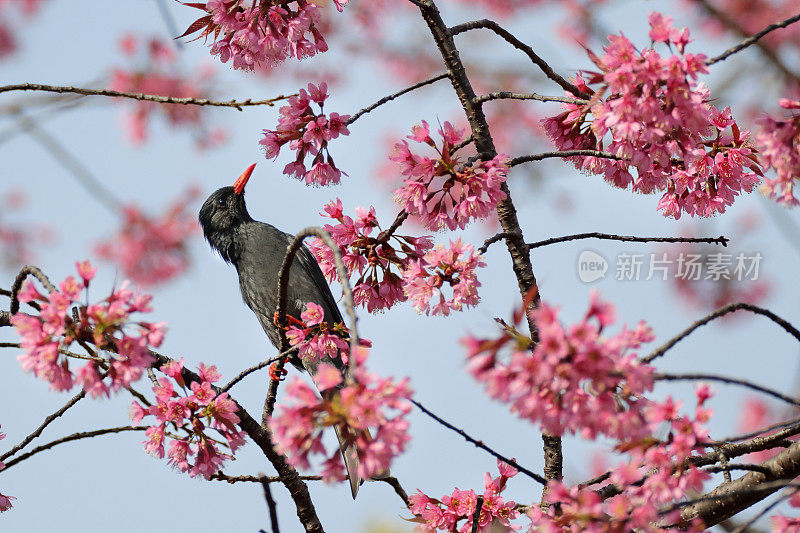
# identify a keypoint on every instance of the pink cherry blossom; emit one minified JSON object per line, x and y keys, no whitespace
{"x":307,"y":133}
{"x":317,"y":340}
{"x":424,"y":279}
{"x":201,"y":423}
{"x":447,"y":512}
{"x":656,"y":473}
{"x":368,"y":410}
{"x":378,"y":257}
{"x":46,"y":338}
{"x":256,"y":37}
{"x":652,"y":113}
{"x":778,"y":141}
{"x":442,"y":192}
{"x":158,"y":72}
{"x":574,"y":379}
{"x":153,"y":250}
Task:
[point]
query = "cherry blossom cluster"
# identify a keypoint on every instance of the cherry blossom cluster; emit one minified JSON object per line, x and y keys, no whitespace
{"x":367,"y":410}
{"x":652,"y":113}
{"x":5,"y":501}
{"x":574,"y":379}
{"x":658,"y":473}
{"x":778,"y":141}
{"x":445,"y":513}
{"x":18,"y":241}
{"x":442,"y":192}
{"x":122,"y":346}
{"x":155,"y":71}
{"x":317,"y":340}
{"x":195,"y":418}
{"x":307,"y":133}
{"x":424,"y":279}
{"x":153,"y":250}
{"x":377,"y":256}
{"x":257,"y":34}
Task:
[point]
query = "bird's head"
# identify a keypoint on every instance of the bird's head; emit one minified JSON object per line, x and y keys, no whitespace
{"x":223,"y":212}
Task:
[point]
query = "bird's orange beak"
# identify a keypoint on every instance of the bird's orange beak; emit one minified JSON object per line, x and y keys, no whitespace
{"x":238,"y":186}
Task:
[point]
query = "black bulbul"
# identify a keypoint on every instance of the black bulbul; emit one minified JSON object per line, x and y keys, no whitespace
{"x":257,"y":250}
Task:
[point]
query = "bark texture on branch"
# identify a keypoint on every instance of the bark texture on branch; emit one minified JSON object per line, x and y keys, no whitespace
{"x":506,"y":212}
{"x":731,"y":498}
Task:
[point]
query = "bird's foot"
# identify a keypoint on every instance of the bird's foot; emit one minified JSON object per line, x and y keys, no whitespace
{"x":277,"y":374}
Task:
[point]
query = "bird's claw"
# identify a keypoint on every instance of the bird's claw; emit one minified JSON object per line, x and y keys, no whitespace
{"x":277,"y":374}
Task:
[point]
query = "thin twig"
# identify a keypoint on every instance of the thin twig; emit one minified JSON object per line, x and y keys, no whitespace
{"x":524,"y":48}
{"x":47,"y":421}
{"x":399,"y":93}
{"x":69,"y":438}
{"x":480,"y":444}
{"x":236,"y":104}
{"x":628,"y":238}
{"x":27,"y":270}
{"x":727,"y":468}
{"x":495,"y":238}
{"x":221,"y":476}
{"x":244,"y":373}
{"x":398,"y":488}
{"x":507,"y":95}
{"x":722,"y":311}
{"x":753,"y":39}
{"x":729,"y":381}
{"x":271,"y":507}
{"x":734,"y":26}
{"x":563,"y":153}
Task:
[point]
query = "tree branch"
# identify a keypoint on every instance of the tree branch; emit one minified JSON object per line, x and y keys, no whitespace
{"x":399,"y":93}
{"x":627,"y":238}
{"x":236,"y":104}
{"x":506,"y":211}
{"x":563,"y":154}
{"x":722,"y":311}
{"x":69,"y":438}
{"x":753,"y":39}
{"x":506,"y":95}
{"x":480,"y":444}
{"x":729,"y":381}
{"x":524,"y":48}
{"x":47,"y":421}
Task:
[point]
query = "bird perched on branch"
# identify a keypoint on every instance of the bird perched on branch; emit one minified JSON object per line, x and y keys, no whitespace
{"x":257,"y":251}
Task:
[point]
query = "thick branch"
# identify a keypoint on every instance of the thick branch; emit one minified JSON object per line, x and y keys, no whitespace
{"x":731,"y":498}
{"x":506,"y":212}
{"x":236,"y":104}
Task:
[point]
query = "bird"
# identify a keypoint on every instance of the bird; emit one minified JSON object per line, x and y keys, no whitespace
{"x":257,"y":249}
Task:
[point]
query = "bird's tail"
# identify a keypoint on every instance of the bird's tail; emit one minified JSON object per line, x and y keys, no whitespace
{"x":350,"y":455}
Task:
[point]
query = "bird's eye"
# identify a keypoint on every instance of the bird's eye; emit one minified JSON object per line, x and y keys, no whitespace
{"x":221,"y":201}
